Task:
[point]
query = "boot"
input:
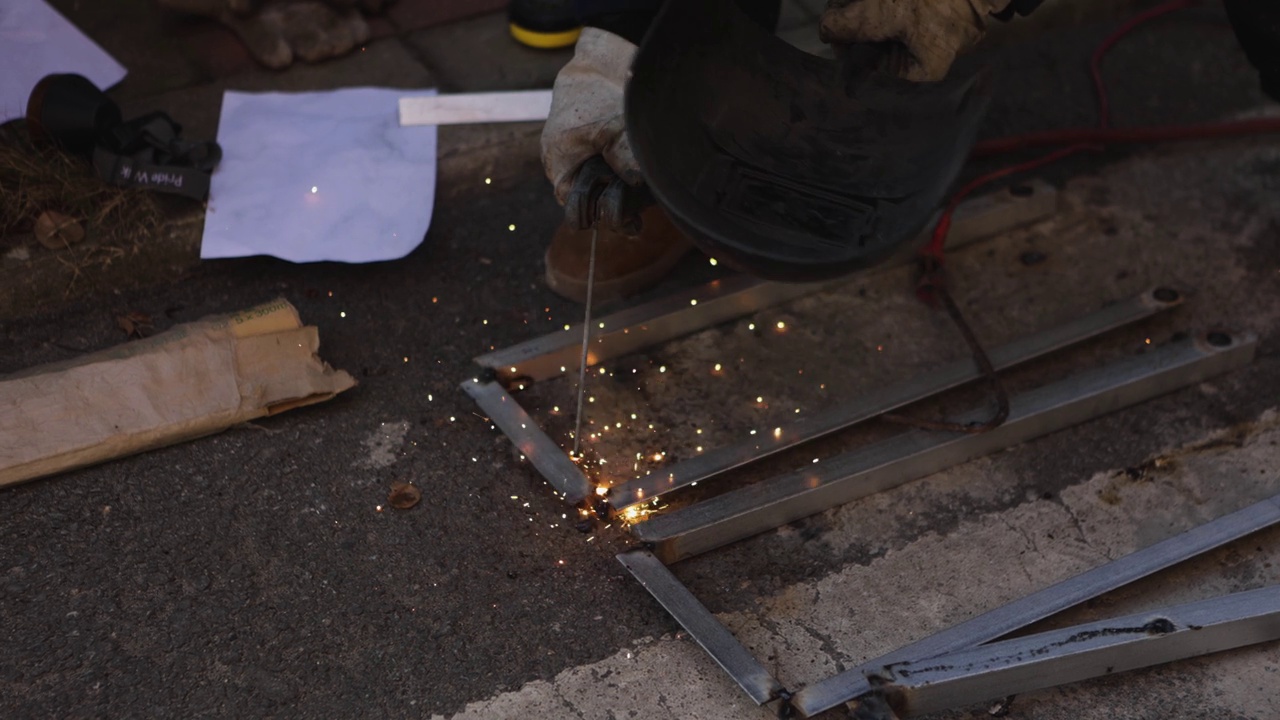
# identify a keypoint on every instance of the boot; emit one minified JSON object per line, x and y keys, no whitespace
{"x":625,"y":264}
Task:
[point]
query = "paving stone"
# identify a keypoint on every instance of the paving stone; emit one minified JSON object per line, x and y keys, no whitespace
{"x":479,"y":54}
{"x":418,"y":14}
{"x":794,"y":15}
{"x":138,"y":35}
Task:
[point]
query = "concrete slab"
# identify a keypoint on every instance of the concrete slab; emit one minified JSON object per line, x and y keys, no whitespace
{"x":408,"y":15}
{"x":479,"y":54}
{"x":140,"y":36}
{"x":816,"y":628}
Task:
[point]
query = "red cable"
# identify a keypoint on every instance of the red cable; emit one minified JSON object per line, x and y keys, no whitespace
{"x":939,"y":237}
{"x":1095,"y":62}
{"x":1127,"y":136}
{"x":1080,"y":139}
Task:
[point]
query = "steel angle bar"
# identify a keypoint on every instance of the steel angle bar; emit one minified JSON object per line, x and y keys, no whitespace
{"x":1020,"y":613}
{"x":756,"y":508}
{"x":705,"y":629}
{"x":547,"y":457}
{"x":661,"y":320}
{"x":1077,"y":653}
{"x":927,"y":384}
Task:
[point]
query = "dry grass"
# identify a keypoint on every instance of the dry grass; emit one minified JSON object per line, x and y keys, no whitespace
{"x":33,"y":180}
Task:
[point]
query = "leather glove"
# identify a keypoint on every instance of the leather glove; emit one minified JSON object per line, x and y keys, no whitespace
{"x":932,"y":31}
{"x":586,"y":112}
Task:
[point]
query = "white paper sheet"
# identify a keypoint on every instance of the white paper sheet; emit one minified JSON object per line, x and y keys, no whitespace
{"x":320,"y":176}
{"x":36,"y":41}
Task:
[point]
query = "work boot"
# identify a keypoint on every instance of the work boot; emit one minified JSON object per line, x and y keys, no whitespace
{"x":625,"y":264}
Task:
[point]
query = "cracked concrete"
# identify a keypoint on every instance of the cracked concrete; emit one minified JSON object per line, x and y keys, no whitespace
{"x":813,"y":630}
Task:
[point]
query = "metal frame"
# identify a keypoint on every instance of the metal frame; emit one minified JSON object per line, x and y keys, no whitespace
{"x":902,"y":677}
{"x":547,"y":457}
{"x":659,"y":321}
{"x":688,"y":531}
{"x":656,"y":322}
{"x":856,"y":683}
{"x":896,"y":396}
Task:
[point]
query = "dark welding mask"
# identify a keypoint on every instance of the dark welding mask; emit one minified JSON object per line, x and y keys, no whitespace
{"x":783,"y":164}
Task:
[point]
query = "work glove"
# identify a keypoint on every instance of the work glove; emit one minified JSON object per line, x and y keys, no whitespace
{"x":586,"y":112}
{"x":933,"y":32}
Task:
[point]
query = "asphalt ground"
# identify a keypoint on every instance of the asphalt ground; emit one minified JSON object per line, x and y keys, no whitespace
{"x":252,"y":573}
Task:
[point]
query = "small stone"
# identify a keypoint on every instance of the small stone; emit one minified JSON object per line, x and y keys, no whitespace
{"x":404,"y":496}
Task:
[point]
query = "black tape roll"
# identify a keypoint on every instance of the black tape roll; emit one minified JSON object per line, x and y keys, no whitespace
{"x":70,"y":111}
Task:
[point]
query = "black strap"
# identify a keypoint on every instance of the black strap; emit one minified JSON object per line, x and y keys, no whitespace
{"x":148,"y":153}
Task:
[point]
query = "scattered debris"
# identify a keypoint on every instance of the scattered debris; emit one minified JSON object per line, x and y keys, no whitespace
{"x":135,"y":325}
{"x":404,"y":496}
{"x":1002,"y":707}
{"x":57,"y":231}
{"x":42,"y":181}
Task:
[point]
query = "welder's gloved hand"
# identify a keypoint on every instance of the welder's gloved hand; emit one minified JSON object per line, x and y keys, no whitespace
{"x":586,"y":112}
{"x":932,"y":31}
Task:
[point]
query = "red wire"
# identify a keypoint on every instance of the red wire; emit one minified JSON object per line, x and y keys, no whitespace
{"x":939,"y":237}
{"x":1095,"y":62}
{"x":1081,"y":139}
{"x":1127,"y":136}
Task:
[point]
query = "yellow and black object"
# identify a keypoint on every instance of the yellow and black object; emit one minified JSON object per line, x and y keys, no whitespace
{"x":544,"y":24}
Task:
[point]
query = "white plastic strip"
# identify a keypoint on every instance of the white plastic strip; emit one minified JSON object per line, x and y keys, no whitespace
{"x":465,"y":108}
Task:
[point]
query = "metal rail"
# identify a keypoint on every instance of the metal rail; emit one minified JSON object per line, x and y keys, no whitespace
{"x":925,"y":385}
{"x":705,"y":629}
{"x":548,"y":458}
{"x":1076,"y":653}
{"x":756,"y":508}
{"x":661,"y":320}
{"x":1020,"y":613}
